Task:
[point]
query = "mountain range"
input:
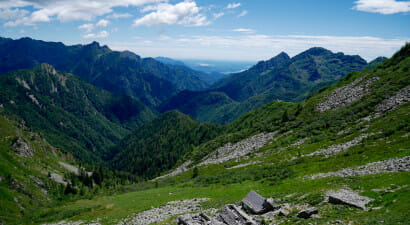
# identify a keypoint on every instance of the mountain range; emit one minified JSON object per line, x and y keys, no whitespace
{"x":280,"y":78}
{"x":91,"y":135}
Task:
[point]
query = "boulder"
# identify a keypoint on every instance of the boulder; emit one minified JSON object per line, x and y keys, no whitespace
{"x":255,"y":203}
{"x":348,"y":197}
{"x":307,"y":213}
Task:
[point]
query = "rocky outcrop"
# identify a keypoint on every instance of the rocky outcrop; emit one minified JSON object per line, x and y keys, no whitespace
{"x":21,"y":147}
{"x":385,"y":166}
{"x":344,"y":96}
{"x":156,"y":215}
{"x":197,"y":219}
{"x":235,"y":151}
{"x":393,"y":102}
{"x":336,"y":149}
{"x":307,"y":213}
{"x":348,"y":197}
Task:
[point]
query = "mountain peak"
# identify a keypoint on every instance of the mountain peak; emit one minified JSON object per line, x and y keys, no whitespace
{"x":316,"y":51}
{"x":47,"y":68}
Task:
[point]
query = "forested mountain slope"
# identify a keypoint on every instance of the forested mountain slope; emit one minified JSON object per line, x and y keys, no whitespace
{"x":122,"y":72}
{"x":72,"y":114}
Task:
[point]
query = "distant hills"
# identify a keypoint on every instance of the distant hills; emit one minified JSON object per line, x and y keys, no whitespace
{"x":149,"y":80}
{"x":72,"y":114}
{"x":280,"y":78}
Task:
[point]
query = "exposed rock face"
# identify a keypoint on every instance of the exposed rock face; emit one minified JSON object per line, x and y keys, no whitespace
{"x":156,"y":215}
{"x":307,"y":213}
{"x":21,"y":148}
{"x":344,"y":96}
{"x":348,"y":197}
{"x":393,"y":102}
{"x":235,"y":151}
{"x":386,"y":166}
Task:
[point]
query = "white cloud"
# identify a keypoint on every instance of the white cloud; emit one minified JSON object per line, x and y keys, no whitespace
{"x":382,"y":6}
{"x":119,"y":15}
{"x":261,"y":47}
{"x":12,"y":14}
{"x":88,"y":27}
{"x":184,"y":13}
{"x":102,"y":34}
{"x":233,"y":5}
{"x":102,"y":23}
{"x":243,"y":13}
{"x":217,"y":15}
{"x":65,"y":10}
{"x":244,"y":30}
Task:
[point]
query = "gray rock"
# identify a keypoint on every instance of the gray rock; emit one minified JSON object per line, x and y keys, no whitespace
{"x":271,"y":204}
{"x":348,"y":197}
{"x":307,"y":213}
{"x":346,"y":95}
{"x":233,"y":215}
{"x":21,"y":148}
{"x":255,"y":203}
{"x":393,"y":102}
{"x":393,"y":165}
{"x":198,"y":219}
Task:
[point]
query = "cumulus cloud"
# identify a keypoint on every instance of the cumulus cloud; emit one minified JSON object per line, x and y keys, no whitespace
{"x":12,"y":14}
{"x":382,"y":6}
{"x":184,"y":13}
{"x":102,"y":34}
{"x":102,"y":23}
{"x":243,"y":13}
{"x":119,"y":15}
{"x":88,"y":27}
{"x":64,"y":10}
{"x":233,"y":5}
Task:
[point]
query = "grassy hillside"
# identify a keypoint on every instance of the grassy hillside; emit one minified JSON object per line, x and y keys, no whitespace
{"x":72,"y":114}
{"x":24,"y":181}
{"x":314,"y":145}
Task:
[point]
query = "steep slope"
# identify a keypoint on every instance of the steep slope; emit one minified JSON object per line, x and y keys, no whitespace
{"x":26,"y":159}
{"x":282,"y":74}
{"x":280,"y":78}
{"x":343,"y":153}
{"x":181,"y":77}
{"x":203,"y":106}
{"x":121,"y":72}
{"x":72,"y":114}
{"x":160,"y":144}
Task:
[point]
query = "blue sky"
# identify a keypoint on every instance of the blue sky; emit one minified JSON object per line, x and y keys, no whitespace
{"x":243,"y":30}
